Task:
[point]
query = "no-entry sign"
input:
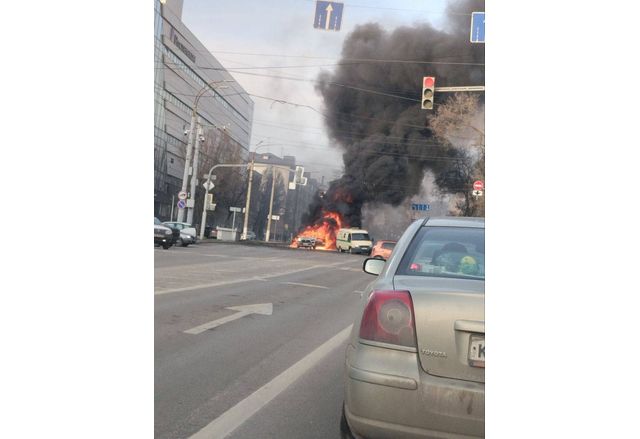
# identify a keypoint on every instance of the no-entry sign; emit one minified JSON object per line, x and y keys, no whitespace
{"x":478,"y":185}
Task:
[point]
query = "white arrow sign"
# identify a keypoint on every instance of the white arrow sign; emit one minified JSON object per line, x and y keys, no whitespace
{"x":258,"y":308}
{"x":329,"y":10}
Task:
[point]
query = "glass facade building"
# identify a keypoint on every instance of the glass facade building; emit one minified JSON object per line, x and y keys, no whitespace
{"x":182,"y":68}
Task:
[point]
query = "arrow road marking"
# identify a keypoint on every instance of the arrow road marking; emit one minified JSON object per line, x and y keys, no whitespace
{"x":245,"y":409}
{"x":259,"y":308}
{"x":329,"y":10}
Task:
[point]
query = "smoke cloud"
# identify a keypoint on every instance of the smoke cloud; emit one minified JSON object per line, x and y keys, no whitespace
{"x":387,"y":144}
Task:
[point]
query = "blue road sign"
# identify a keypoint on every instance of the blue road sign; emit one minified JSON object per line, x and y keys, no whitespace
{"x":181,"y":204}
{"x":421,"y":207}
{"x":328,"y":15}
{"x":477,"y":27}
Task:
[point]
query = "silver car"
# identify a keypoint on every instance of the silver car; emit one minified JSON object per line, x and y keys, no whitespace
{"x":415,"y":361}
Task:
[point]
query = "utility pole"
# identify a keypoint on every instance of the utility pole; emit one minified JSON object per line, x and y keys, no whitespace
{"x":194,"y":174}
{"x":187,"y":162}
{"x":273,"y":187}
{"x":248,"y":202}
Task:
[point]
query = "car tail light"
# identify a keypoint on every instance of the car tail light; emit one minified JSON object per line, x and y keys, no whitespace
{"x":389,"y":318}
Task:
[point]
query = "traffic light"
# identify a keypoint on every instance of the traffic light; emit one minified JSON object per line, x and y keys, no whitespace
{"x":428,"y":92}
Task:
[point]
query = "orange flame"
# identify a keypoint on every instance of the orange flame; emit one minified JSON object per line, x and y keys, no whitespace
{"x":325,"y":229}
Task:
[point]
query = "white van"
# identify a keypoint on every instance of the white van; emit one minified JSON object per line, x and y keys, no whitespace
{"x":354,"y":241}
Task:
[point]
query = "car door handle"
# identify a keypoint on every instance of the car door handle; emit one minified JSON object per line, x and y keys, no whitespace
{"x":469,"y":326}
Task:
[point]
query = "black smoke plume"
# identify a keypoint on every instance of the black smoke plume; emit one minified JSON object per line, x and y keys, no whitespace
{"x":386,"y":141}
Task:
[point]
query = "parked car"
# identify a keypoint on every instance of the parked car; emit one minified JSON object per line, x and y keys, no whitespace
{"x":353,"y":241}
{"x":210,"y":232}
{"x":184,"y":228}
{"x":415,"y":359}
{"x":250,"y":236}
{"x":163,"y":236}
{"x":185,"y":239}
{"x":382,"y":249}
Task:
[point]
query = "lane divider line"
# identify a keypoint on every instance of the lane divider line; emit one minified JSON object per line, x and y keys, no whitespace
{"x":236,"y":281}
{"x":305,"y":285}
{"x":233,"y":418}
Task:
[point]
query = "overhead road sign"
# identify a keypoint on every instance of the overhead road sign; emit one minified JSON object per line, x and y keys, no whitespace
{"x":420,"y":207}
{"x":328,"y":15}
{"x":477,"y":27}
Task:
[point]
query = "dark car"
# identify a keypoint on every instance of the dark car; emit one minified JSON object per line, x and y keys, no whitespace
{"x":164,"y":236}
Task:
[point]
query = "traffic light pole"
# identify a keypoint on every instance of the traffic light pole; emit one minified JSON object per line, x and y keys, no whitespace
{"x":206,"y":194}
{"x":463,"y":88}
{"x":296,"y":181}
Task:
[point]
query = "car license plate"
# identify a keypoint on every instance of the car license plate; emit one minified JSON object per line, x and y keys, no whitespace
{"x":159,"y":235}
{"x":476,"y":351}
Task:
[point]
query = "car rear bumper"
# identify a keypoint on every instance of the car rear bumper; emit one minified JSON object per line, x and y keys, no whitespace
{"x":388,"y":395}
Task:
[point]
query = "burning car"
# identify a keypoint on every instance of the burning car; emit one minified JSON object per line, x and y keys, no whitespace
{"x":306,"y":242}
{"x":322,"y":233}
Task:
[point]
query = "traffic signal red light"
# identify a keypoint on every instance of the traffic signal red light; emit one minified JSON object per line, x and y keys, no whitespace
{"x":428,"y":92}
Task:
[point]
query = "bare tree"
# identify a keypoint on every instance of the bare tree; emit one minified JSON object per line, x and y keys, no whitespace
{"x":459,"y":124}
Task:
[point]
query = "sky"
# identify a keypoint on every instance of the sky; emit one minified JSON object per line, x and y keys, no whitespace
{"x":277,"y":38}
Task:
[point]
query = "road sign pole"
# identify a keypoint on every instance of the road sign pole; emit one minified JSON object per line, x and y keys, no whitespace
{"x":233,"y":225}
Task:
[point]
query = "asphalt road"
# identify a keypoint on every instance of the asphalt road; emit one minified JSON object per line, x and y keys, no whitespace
{"x":255,"y":375}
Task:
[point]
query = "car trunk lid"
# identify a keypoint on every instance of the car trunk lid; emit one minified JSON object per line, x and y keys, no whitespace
{"x":449,"y":321}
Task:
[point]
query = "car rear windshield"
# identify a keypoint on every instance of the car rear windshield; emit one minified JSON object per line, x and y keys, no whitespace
{"x":360,"y":237}
{"x":388,"y":245}
{"x":445,"y":252}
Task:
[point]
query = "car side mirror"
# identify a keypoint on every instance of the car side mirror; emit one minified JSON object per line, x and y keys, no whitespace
{"x":373,"y":266}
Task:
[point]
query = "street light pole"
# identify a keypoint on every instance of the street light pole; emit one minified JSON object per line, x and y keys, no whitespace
{"x":194,"y":174}
{"x":187,"y":163}
{"x":190,"y":142}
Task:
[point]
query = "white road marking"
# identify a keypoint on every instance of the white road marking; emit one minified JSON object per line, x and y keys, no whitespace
{"x":226,"y":423}
{"x":259,"y":308}
{"x":236,"y":281}
{"x":305,"y":285}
